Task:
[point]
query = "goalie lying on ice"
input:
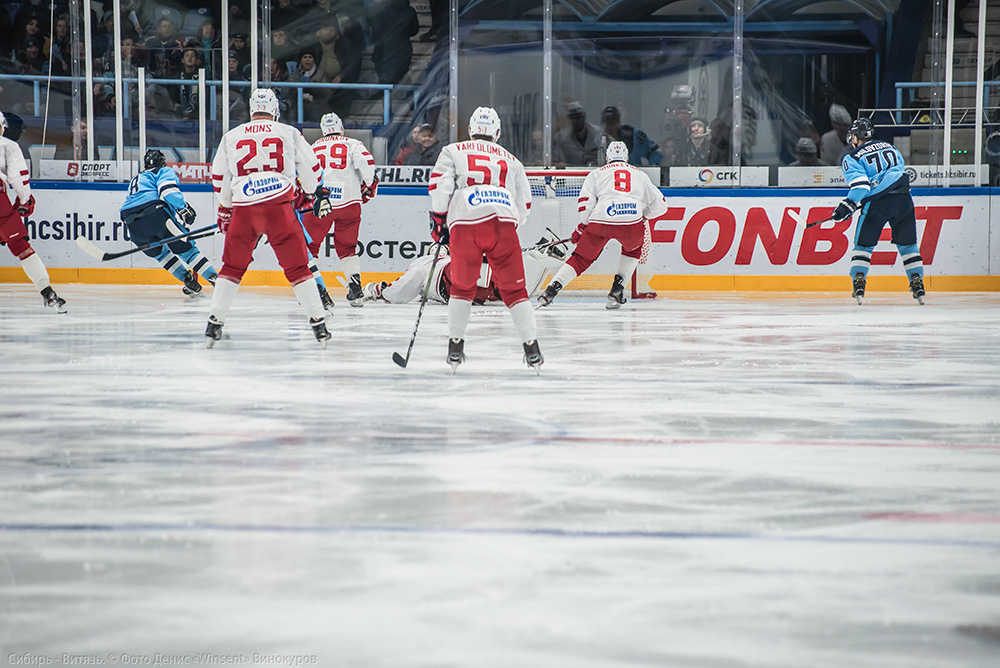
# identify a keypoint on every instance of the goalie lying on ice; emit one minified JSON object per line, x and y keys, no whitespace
{"x":537,"y":266}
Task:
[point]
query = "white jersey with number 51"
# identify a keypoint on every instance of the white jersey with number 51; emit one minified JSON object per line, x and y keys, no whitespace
{"x":619,"y":194}
{"x":476,"y":180}
{"x":347,"y":165}
{"x":258,"y":162}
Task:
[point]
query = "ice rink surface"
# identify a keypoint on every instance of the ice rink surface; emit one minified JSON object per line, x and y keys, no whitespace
{"x":713,"y":480}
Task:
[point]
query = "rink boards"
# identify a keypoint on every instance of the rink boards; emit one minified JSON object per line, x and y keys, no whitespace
{"x":740,"y":240}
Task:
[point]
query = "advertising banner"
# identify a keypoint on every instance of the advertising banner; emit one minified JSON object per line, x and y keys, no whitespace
{"x":80,"y":170}
{"x":747,"y":235}
{"x":718,"y":177}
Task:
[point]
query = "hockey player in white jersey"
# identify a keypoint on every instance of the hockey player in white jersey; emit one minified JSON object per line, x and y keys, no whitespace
{"x":349,"y":176}
{"x":537,"y":266}
{"x":479,"y":196}
{"x":254,"y":178}
{"x":17,"y":203}
{"x":615,"y":202}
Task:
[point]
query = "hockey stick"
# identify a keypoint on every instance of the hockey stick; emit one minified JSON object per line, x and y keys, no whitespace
{"x":90,"y":249}
{"x":549,"y":244}
{"x":799,"y":218}
{"x":396,"y":357}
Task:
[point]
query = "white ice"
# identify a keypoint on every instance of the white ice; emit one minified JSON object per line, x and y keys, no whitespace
{"x":712,"y":480}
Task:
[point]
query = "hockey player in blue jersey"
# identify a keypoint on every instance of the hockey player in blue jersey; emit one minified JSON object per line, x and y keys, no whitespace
{"x":879,"y":185}
{"x":154,"y":198}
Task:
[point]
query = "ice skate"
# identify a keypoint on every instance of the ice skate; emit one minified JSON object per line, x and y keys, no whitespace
{"x":456,"y":353}
{"x":550,"y":293}
{"x":320,"y":331}
{"x":917,"y":288}
{"x":533,"y":356}
{"x":213,"y":332}
{"x":616,"y":297}
{"x":355,"y":295}
{"x":859,"y":286}
{"x":326,"y":299}
{"x":373,"y":291}
{"x":191,"y":285}
{"x":51,"y":299}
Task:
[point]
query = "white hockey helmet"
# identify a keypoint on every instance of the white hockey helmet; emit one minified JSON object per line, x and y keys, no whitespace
{"x":3,"y":123}
{"x":331,"y":124}
{"x":264,"y":101}
{"x":484,"y":121}
{"x":617,"y":152}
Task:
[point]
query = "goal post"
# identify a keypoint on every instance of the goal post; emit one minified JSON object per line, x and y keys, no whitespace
{"x":554,"y":210}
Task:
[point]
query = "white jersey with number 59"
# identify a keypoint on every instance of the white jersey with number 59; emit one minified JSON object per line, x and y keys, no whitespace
{"x":258,"y":162}
{"x":347,"y":165}
{"x":476,"y":180}
{"x":619,"y":194}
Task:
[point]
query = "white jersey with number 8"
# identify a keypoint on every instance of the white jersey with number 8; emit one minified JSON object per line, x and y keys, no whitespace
{"x":258,"y":162}
{"x":347,"y":165}
{"x":619,"y":194}
{"x":476,"y":180}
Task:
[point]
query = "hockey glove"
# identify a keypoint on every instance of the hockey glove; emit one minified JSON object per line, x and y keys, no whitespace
{"x":368,"y":192}
{"x":27,"y":208}
{"x":225,"y":215}
{"x":187,"y":215}
{"x":844,"y":210}
{"x":321,"y":202}
{"x":439,"y":227}
{"x":577,"y":233}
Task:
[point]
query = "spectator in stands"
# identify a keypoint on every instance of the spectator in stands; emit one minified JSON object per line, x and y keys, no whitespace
{"x":60,"y":49}
{"x":393,"y":23}
{"x":239,"y":110}
{"x":439,"y":26}
{"x":805,"y":148}
{"x":410,"y":144}
{"x":833,"y":144}
{"x":239,"y":45}
{"x":30,"y":56}
{"x":104,"y":36}
{"x":284,"y":14}
{"x":427,"y":150}
{"x":314,"y":100}
{"x":697,"y":144}
{"x":28,"y":23}
{"x":131,"y":60}
{"x":164,"y":50}
{"x":279,"y":73}
{"x":283,"y":47}
{"x":339,"y":61}
{"x":209,"y":47}
{"x":76,"y":148}
{"x":808,"y":129}
{"x":577,"y":143}
{"x":640,"y":146}
{"x":185,"y":98}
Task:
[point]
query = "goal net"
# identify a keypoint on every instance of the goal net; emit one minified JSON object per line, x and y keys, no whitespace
{"x":554,"y":212}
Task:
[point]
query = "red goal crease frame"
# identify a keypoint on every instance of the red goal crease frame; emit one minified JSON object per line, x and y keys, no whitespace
{"x":561,"y":187}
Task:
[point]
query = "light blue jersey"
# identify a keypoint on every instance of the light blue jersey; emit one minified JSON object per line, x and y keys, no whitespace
{"x":154,"y":185}
{"x":874,"y":168}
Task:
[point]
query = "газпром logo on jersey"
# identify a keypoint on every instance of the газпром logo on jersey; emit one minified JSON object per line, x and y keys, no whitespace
{"x":623,"y":209}
{"x":489,"y":196}
{"x":260,"y":186}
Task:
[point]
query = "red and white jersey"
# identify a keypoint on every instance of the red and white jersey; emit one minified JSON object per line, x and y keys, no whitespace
{"x":347,"y":165}
{"x":619,"y":194}
{"x":13,"y":172}
{"x":475,"y":180}
{"x":258,"y":162}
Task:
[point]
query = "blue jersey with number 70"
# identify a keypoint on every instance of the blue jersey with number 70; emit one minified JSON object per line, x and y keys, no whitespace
{"x":874,"y":168}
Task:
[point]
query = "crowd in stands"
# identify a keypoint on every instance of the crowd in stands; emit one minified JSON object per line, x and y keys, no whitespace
{"x":320,"y":41}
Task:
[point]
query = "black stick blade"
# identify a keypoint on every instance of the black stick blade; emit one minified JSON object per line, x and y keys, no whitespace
{"x":399,"y":359}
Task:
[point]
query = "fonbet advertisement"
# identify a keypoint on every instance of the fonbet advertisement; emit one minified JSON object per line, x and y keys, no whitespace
{"x":743,"y":235}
